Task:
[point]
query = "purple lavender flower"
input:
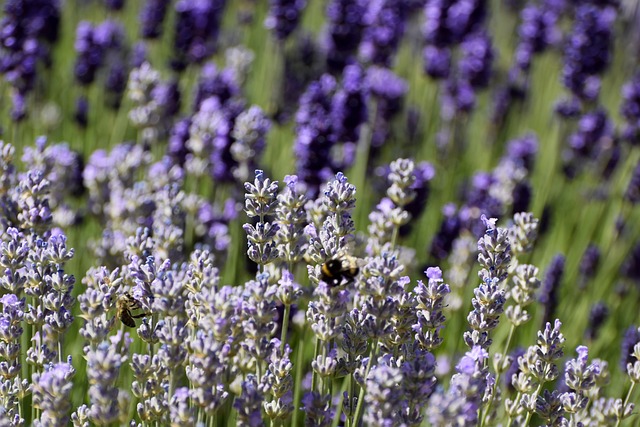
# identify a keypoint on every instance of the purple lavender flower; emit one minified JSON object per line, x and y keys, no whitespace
{"x":537,"y":31}
{"x":594,"y":129}
{"x":588,"y":51}
{"x":114,"y":5}
{"x":52,"y":394}
{"x":349,"y":109}
{"x":630,"y":110}
{"x":283,"y":17}
{"x":550,"y":286}
{"x":385,"y":24}
{"x":388,"y":91}
{"x":630,"y":339}
{"x":81,"y":112}
{"x":633,"y":189}
{"x":345,"y":19}
{"x":151,"y":17}
{"x":476,"y":61}
{"x":597,"y":316}
{"x":449,"y":229}
{"x":27,"y":30}
{"x":196,"y":31}
{"x":103,"y":368}
{"x":249,"y":132}
{"x":461,"y":403}
{"x":430,"y":302}
{"x":214,"y":83}
{"x":589,"y":264}
{"x":437,"y":61}
{"x":314,"y":134}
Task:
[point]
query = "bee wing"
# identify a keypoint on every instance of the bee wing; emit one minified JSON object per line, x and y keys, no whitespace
{"x":128,"y":320}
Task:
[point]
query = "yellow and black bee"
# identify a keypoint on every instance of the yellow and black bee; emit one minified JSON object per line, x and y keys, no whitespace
{"x":125,"y":304}
{"x":339,"y":270}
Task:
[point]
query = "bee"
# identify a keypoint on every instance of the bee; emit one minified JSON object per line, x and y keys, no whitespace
{"x":125,"y":304}
{"x":337,"y":270}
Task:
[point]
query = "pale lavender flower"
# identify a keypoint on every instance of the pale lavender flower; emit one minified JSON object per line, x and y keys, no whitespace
{"x":103,"y":367}
{"x":261,"y":201}
{"x":180,"y":411}
{"x":52,"y":394}
{"x":429,"y":305}
{"x":291,"y":217}
{"x":384,"y":397}
{"x":461,"y":403}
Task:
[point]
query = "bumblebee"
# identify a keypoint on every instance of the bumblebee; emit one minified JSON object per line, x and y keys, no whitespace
{"x":337,"y":271}
{"x":125,"y":304}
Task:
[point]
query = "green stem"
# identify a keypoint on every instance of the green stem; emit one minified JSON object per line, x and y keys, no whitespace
{"x":498,"y":374}
{"x":360,"y":406}
{"x":534,"y":397}
{"x":285,"y":326}
{"x":314,"y":375}
{"x":626,"y":401}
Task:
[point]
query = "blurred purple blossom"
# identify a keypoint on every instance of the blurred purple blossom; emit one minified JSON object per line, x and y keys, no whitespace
{"x":384,"y":27}
{"x":345,"y":19}
{"x":196,"y":29}
{"x":151,"y":18}
{"x":284,"y":16}
{"x":588,"y":50}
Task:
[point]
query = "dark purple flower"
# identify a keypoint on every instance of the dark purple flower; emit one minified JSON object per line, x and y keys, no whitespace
{"x":588,"y":50}
{"x":448,"y":22}
{"x":283,"y":17}
{"x":345,"y":20}
{"x":437,"y":61}
{"x":550,"y":286}
{"x":631,"y":267}
{"x":449,"y":229}
{"x":630,"y":110}
{"x":629,"y":340}
{"x":314,"y":133}
{"x":589,"y":263}
{"x":633,"y":189}
{"x":196,"y":31}
{"x":178,"y":137}
{"x":81,"y":113}
{"x":138,"y":55}
{"x":385,"y":23}
{"x":221,"y":84}
{"x":151,"y":17}
{"x":27,"y":32}
{"x":349,"y":105}
{"x":594,"y":135}
{"x":597,"y":316}
{"x":115,"y":83}
{"x":523,"y":150}
{"x":537,"y":31}
{"x":514,"y":367}
{"x":114,"y":5}
{"x":477,"y":58}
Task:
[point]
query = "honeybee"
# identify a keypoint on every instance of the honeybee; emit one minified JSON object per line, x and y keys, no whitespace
{"x":125,"y":304}
{"x":341,"y":269}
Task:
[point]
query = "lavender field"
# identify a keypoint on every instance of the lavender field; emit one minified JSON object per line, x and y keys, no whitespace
{"x":319,"y":212}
